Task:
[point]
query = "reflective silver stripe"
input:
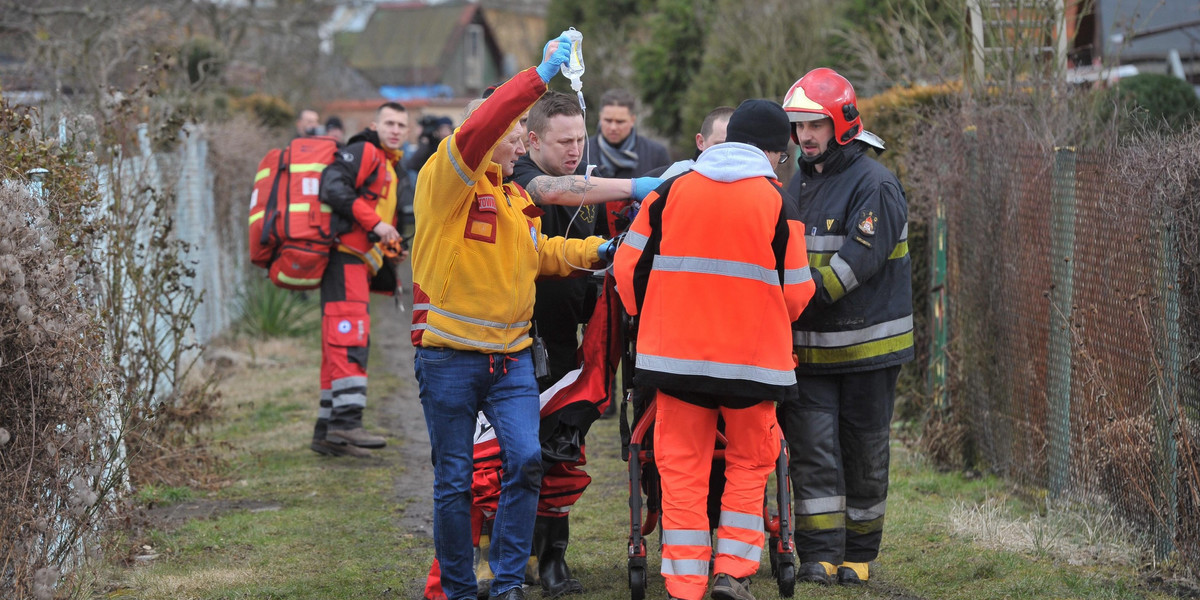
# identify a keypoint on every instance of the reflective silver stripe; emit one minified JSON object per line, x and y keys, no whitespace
{"x":349,"y":400}
{"x":739,"y":549}
{"x":686,"y":537}
{"x":824,"y":243}
{"x":470,"y":342}
{"x":816,"y":506}
{"x":904,"y":232}
{"x":636,"y":241}
{"x":672,"y":566}
{"x":839,"y":339}
{"x":327,"y":394}
{"x":558,"y":509}
{"x":794,"y":276}
{"x":347,"y":382}
{"x":458,"y":168}
{"x":741,"y":520}
{"x":713,"y":266}
{"x":843,"y":271}
{"x":324,"y":412}
{"x":473,"y":321}
{"x":681,"y":366}
{"x":867,"y":514}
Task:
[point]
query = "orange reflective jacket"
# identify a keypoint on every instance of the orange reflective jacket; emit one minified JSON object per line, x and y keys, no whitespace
{"x":717,"y":269}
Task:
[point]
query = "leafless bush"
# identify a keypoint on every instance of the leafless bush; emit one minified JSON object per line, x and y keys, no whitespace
{"x":907,"y":48}
{"x":58,"y":457}
{"x":96,"y":350}
{"x":235,"y":147}
{"x":1133,"y":334}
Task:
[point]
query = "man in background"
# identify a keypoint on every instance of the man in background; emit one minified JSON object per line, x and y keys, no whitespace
{"x":712,"y":132}
{"x":620,"y":152}
{"x":308,"y":122}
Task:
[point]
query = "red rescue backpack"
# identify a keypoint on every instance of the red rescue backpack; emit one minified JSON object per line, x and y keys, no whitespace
{"x":290,"y":232}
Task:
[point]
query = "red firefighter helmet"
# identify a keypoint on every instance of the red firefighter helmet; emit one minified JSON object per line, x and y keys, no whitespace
{"x":823,"y":93}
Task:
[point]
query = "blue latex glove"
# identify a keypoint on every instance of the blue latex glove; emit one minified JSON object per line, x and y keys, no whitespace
{"x":551,"y":64}
{"x":607,"y":250}
{"x":642,"y":186}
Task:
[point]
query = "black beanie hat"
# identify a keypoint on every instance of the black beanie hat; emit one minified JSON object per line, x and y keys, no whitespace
{"x":761,"y":123}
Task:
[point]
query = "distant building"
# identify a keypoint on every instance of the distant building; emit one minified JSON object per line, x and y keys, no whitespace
{"x":414,"y":50}
{"x":432,"y":57}
{"x":1125,"y":37}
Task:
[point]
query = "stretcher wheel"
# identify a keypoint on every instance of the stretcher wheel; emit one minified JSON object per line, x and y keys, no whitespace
{"x":637,"y":583}
{"x":772,"y":544}
{"x":787,"y":579}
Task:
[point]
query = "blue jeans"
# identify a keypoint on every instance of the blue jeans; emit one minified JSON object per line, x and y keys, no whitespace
{"x":454,"y":386}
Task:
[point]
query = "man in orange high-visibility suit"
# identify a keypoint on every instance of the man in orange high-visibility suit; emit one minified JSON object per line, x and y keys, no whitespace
{"x":716,"y":268}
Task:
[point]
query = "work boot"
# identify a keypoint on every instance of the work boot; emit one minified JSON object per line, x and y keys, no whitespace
{"x":516,"y":593}
{"x":852,"y":573}
{"x":550,"y":537}
{"x":328,"y":448}
{"x":727,"y":587}
{"x":815,"y":572}
{"x":356,"y":437}
{"x":483,"y":569}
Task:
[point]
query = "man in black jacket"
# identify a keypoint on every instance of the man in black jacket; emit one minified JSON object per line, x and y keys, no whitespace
{"x":619,"y":151}
{"x":853,"y":336}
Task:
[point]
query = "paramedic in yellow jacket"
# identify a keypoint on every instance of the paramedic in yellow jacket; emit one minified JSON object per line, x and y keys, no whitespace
{"x":477,"y":251}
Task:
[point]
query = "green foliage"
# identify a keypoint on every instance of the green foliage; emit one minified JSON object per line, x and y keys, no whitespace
{"x":610,"y":31}
{"x":271,"y":111}
{"x":752,"y":51}
{"x":1156,"y":102}
{"x":265,"y":311}
{"x":667,"y":62}
{"x":590,"y":17}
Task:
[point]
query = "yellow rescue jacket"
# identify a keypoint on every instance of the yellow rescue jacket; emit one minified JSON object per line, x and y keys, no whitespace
{"x":479,"y":246}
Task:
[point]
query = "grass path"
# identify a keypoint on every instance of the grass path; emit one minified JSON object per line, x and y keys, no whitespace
{"x":295,"y":525}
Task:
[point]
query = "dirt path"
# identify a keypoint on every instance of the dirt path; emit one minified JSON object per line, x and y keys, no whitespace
{"x":399,"y":412}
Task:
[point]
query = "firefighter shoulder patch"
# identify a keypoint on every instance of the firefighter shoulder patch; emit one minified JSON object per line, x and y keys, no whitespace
{"x":866,"y":222}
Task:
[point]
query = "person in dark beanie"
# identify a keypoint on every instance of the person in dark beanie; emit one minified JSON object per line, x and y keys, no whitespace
{"x":335,"y":129}
{"x":716,"y":268}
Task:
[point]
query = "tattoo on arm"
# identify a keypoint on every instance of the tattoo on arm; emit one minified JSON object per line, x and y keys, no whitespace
{"x":543,"y":187}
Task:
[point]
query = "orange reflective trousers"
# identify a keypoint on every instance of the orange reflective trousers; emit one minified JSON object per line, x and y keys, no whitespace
{"x":684,"y":440}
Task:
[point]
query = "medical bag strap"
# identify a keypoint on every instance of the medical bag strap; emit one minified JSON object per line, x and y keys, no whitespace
{"x":271,"y":211}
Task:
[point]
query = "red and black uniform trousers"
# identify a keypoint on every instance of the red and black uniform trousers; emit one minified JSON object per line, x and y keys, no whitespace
{"x":345,"y":337}
{"x":562,"y":485}
{"x":838,"y":432}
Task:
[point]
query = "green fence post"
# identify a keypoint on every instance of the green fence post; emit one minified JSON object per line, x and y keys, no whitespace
{"x":1058,"y":376}
{"x":937,"y":301}
{"x":1167,"y":416}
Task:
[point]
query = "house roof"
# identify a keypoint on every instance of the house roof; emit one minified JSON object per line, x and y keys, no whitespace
{"x":1140,"y":29}
{"x":408,"y":43}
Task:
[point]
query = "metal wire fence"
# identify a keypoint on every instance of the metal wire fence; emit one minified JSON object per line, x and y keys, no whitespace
{"x":1069,"y":304}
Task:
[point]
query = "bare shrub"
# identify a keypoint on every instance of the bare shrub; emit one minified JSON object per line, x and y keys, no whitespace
{"x":96,"y":347}
{"x":234,"y":149}
{"x":58,"y":458}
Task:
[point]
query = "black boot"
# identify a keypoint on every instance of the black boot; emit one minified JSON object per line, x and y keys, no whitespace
{"x":550,"y":537}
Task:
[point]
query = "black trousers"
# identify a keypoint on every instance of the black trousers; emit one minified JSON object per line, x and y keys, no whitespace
{"x":838,"y":432}
{"x":561,"y":306}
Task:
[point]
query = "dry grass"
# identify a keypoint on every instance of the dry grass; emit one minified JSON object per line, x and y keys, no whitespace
{"x":1062,"y":532}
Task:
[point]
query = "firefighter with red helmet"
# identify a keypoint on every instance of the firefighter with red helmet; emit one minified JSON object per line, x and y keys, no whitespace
{"x":853,"y":336}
